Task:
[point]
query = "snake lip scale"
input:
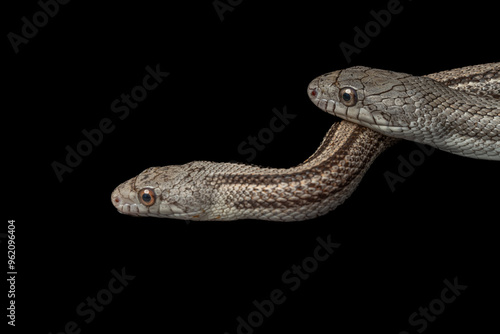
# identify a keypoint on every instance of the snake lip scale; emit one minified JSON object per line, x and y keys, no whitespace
{"x":457,"y":111}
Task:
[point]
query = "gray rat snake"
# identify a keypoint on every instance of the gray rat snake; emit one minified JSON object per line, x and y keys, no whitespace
{"x":457,"y":111}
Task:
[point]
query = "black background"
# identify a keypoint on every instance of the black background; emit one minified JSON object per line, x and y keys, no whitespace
{"x":225,"y":78}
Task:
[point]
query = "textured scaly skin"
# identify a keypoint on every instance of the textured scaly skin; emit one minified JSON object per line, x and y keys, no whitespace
{"x":462,"y":118}
{"x":203,"y":190}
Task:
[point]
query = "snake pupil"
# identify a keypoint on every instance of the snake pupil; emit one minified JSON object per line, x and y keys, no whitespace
{"x":348,"y":96}
{"x":146,"y":198}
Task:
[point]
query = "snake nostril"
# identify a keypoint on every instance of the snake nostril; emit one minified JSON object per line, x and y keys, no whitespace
{"x":116,"y":201}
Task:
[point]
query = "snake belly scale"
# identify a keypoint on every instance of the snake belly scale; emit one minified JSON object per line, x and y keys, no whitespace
{"x":457,"y":111}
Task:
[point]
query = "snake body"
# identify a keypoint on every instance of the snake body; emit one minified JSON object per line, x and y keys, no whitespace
{"x":457,"y":111}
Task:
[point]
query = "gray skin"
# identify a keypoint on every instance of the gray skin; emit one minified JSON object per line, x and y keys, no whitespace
{"x":178,"y":191}
{"x":416,"y":108}
{"x":465,"y":120}
{"x":204,"y":190}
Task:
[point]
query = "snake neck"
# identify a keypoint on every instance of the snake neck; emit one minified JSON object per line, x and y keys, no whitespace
{"x":306,"y":191}
{"x":480,"y":80}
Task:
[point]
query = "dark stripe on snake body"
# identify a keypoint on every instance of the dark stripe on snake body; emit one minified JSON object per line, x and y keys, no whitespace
{"x":301,"y":188}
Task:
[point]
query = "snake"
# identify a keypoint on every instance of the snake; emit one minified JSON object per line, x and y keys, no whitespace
{"x":457,"y":111}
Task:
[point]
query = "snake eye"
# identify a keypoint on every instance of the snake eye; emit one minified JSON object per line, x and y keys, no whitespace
{"x":147,"y":196}
{"x":348,"y":96}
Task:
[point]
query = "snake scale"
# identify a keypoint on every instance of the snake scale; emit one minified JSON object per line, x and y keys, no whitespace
{"x":457,"y":111}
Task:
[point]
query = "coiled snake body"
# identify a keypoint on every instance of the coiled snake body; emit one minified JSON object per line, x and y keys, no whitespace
{"x":457,"y":111}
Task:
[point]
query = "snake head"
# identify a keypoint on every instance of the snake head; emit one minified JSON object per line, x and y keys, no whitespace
{"x":374,"y":98}
{"x":174,"y":191}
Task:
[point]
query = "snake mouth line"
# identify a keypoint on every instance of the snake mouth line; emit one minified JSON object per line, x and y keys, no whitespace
{"x":133,"y":210}
{"x":359,"y":116}
{"x":126,"y":208}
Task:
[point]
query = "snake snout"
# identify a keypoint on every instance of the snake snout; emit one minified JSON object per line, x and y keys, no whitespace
{"x":116,"y":200}
{"x":123,"y":205}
